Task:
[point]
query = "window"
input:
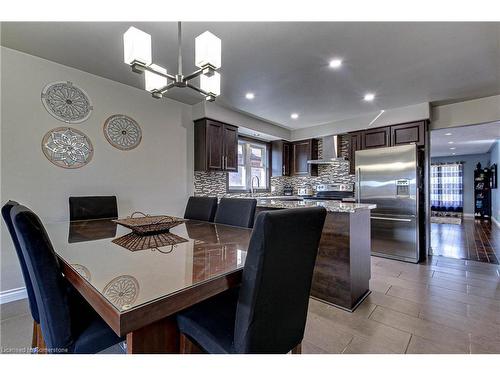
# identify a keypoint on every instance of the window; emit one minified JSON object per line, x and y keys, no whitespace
{"x":447,"y":187}
{"x":253,"y":164}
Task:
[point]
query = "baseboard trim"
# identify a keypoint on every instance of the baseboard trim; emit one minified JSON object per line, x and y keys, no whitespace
{"x":11,"y":295}
{"x":497,"y":223}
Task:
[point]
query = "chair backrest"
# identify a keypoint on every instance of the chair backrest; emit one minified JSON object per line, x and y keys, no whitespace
{"x":274,"y":294}
{"x":6,"y":210}
{"x":49,"y":286}
{"x":239,"y":212}
{"x":201,"y":208}
{"x":89,"y":208}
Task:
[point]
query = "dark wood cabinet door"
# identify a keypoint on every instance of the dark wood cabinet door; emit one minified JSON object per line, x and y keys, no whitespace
{"x":374,"y":138}
{"x":230,"y":148}
{"x":408,"y":133}
{"x":354,"y":145}
{"x":215,"y":145}
{"x":302,"y":151}
{"x":286,"y":159}
{"x":280,"y":158}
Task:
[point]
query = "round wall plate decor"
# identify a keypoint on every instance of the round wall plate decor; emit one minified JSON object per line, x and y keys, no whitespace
{"x":67,"y":147}
{"x":122,"y":132}
{"x":66,"y":102}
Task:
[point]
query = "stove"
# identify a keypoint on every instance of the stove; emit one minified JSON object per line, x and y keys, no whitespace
{"x":333,"y":192}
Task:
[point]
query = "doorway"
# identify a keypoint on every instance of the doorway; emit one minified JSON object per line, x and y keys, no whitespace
{"x":464,"y":198}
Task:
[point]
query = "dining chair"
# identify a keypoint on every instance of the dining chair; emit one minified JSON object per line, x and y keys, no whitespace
{"x":68,"y":324}
{"x":239,"y":212}
{"x":94,"y":207}
{"x":201,"y":208}
{"x":36,"y":337}
{"x":267,"y":313}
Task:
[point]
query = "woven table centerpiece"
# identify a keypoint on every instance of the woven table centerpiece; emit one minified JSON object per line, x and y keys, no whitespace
{"x":146,"y":224}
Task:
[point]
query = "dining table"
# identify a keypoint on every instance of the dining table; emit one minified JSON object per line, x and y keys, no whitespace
{"x":137,"y":284}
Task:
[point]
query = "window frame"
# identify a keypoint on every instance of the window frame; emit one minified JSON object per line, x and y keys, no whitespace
{"x":269,"y":167}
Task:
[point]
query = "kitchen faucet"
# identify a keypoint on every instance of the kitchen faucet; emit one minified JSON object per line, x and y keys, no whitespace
{"x":251,"y":184}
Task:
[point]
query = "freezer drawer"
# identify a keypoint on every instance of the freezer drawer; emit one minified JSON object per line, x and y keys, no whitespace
{"x":395,"y":237}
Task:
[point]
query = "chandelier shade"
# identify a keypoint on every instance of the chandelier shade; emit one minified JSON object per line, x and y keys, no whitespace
{"x":207,"y":51}
{"x":136,"y":47}
{"x":211,"y":84}
{"x":153,"y":81}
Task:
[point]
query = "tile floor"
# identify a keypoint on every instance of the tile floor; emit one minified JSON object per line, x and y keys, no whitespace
{"x":471,"y":240}
{"x":443,"y":306}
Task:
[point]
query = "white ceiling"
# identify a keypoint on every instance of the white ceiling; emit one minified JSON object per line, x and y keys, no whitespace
{"x":286,"y":64}
{"x":474,"y":139}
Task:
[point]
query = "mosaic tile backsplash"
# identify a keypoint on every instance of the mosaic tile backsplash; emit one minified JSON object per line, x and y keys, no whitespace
{"x":214,"y":183}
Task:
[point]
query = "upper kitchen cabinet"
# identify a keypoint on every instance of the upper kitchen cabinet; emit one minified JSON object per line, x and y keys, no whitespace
{"x":302,"y":151}
{"x":354,"y":145}
{"x":374,"y":138}
{"x":215,"y":146}
{"x":404,"y":134}
{"x":281,"y":155}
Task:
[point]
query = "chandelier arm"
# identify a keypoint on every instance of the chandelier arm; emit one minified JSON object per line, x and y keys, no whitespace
{"x":201,"y":91}
{"x":136,"y":66}
{"x":166,"y":88}
{"x":195,"y":74}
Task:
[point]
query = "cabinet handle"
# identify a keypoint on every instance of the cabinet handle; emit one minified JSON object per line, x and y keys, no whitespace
{"x":224,"y":162}
{"x":283,"y":170}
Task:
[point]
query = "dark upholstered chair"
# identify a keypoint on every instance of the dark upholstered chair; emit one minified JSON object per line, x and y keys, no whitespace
{"x":6,"y":209}
{"x":267,"y":314}
{"x":201,"y":208}
{"x":90,"y":208}
{"x":239,"y":212}
{"x":68,"y":325}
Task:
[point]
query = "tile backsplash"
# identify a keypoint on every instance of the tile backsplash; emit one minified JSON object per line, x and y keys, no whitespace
{"x":214,"y":183}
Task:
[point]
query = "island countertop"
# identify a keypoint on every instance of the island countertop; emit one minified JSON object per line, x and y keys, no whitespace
{"x":331,"y":206}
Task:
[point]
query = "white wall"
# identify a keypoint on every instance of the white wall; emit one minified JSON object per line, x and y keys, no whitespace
{"x":470,"y":112}
{"x":389,"y":117}
{"x":157,"y":176}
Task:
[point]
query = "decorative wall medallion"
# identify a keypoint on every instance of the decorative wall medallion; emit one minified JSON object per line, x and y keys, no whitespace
{"x":67,"y":147}
{"x":122,"y":132}
{"x":66,"y":102}
{"x":82,"y":271}
{"x":122,"y":291}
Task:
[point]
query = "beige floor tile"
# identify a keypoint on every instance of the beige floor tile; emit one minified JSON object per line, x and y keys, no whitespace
{"x":309,"y":348}
{"x":464,"y":297}
{"x":480,"y":344}
{"x":327,"y":337}
{"x":360,"y":345}
{"x":16,"y":334}
{"x":398,"y":304}
{"x":484,"y":292}
{"x":15,"y":308}
{"x":469,"y":281}
{"x":378,"y":285}
{"x":428,"y":330}
{"x":419,"y":345}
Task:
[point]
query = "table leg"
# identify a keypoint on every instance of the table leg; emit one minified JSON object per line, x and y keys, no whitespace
{"x":158,"y":337}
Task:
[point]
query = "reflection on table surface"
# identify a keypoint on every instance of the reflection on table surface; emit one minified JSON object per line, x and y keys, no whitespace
{"x":131,"y":278}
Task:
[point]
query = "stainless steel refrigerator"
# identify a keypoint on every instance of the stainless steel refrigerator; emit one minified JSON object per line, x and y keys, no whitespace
{"x":391,"y":178}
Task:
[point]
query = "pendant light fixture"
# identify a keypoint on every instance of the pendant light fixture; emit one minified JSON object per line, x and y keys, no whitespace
{"x":208,"y":51}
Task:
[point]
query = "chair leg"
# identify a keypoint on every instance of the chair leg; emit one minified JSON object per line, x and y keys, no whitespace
{"x":189,"y":347}
{"x":297,"y":349}
{"x":37,"y":340}
{"x":34,"y":337}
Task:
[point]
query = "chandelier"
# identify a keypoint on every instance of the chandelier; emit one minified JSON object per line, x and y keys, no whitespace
{"x":137,"y":54}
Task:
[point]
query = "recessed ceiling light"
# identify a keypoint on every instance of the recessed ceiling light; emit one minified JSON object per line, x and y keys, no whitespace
{"x":335,"y":63}
{"x":450,"y":142}
{"x":249,"y":95}
{"x":295,"y":116}
{"x":452,"y":148}
{"x":453,"y":153}
{"x":369,"y":97}
{"x":447,"y":134}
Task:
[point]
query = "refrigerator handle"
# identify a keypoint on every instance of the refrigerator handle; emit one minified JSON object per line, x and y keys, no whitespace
{"x":358,"y":185}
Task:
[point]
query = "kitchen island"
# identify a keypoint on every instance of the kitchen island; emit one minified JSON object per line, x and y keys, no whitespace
{"x":342,"y":272}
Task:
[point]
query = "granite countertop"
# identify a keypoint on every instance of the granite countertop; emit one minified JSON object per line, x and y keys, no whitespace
{"x":331,"y":206}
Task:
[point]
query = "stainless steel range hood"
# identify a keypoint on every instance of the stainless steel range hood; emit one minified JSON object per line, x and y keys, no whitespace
{"x":330,"y":152}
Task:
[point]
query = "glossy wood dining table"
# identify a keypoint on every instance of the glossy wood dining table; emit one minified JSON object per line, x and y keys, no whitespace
{"x":138,"y":292}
